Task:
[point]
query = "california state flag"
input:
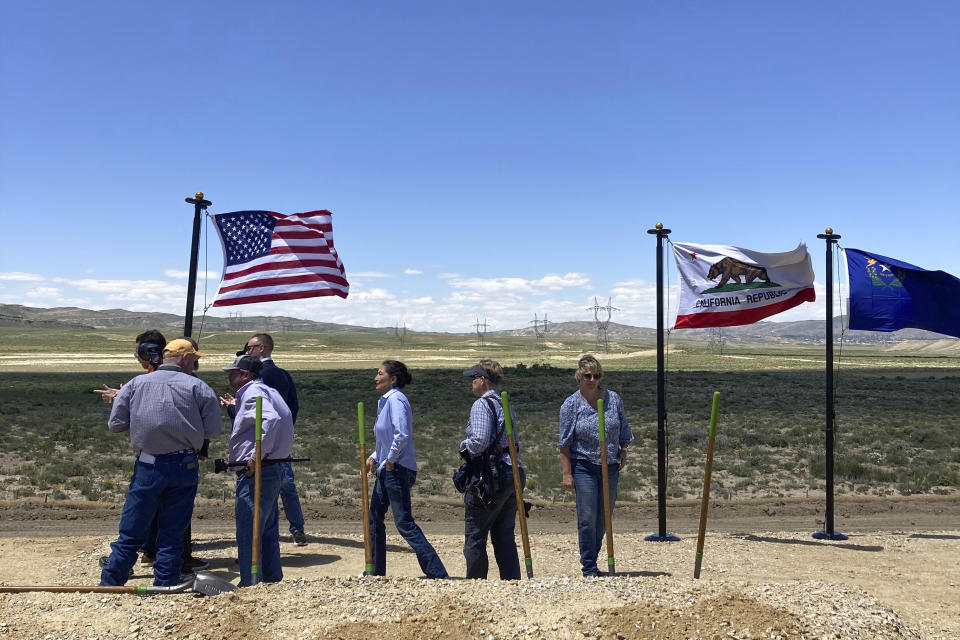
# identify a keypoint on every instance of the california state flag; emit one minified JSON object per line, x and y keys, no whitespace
{"x":723,"y":286}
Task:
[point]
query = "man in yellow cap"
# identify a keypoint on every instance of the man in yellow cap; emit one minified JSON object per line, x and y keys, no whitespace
{"x":168,"y":413}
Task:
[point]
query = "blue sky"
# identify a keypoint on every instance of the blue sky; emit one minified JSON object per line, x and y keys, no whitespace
{"x":493,"y":159}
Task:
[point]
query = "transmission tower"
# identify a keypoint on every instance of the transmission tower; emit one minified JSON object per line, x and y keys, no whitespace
{"x":540,"y":328}
{"x":481,"y":330}
{"x":237,"y":317}
{"x":716,"y":339}
{"x":603,"y":342}
{"x":401,"y":333}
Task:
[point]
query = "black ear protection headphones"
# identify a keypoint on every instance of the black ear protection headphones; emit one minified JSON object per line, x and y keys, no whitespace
{"x":150,"y":352}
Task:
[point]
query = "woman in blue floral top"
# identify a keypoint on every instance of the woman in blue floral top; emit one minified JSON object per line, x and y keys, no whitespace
{"x":580,"y":455}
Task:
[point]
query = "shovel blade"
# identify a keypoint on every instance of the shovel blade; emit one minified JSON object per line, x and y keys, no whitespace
{"x":210,"y":585}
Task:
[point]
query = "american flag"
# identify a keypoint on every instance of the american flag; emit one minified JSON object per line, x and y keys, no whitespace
{"x":270,"y":256}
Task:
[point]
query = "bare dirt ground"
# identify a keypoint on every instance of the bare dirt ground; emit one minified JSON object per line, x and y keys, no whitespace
{"x":763,"y":576}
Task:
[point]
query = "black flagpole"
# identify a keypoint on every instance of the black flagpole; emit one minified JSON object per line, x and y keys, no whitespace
{"x":828,"y":533}
{"x":661,"y":535}
{"x":199,"y":204}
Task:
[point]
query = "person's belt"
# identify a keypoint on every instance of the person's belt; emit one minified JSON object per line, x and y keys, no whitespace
{"x":148,"y":458}
{"x":263,"y":463}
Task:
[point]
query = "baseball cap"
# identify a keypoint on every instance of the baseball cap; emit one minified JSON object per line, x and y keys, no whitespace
{"x":245,"y":363}
{"x":180,"y":347}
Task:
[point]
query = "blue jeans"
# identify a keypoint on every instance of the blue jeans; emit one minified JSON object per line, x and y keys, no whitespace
{"x":498,"y":521}
{"x":392,"y":491}
{"x":270,"y":569}
{"x":291,"y":501}
{"x":165,"y":488}
{"x":591,"y":526}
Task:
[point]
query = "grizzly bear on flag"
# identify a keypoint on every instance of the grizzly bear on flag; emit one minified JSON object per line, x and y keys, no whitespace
{"x":734,"y":269}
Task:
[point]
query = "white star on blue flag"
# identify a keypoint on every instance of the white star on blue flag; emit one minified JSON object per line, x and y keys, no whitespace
{"x":246,"y":235}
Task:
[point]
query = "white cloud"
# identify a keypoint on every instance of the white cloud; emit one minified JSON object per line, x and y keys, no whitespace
{"x":182,"y":274}
{"x":21,"y":277}
{"x":555,"y":282}
{"x":816,"y":310}
{"x":638,"y":290}
{"x":376,"y":294}
{"x":515,"y":286}
{"x":447,"y":276}
{"x":368,"y":274}
{"x":43,"y":292}
{"x":122,"y":289}
{"x":413,"y":272}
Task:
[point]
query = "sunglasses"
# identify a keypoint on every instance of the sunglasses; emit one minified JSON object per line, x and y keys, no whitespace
{"x":591,"y":376}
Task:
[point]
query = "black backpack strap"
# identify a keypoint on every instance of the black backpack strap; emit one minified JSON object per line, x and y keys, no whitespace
{"x":498,"y":431}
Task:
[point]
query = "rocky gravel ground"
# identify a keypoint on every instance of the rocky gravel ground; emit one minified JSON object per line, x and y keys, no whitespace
{"x":894,"y":583}
{"x":409,"y":608}
{"x":741,"y":593}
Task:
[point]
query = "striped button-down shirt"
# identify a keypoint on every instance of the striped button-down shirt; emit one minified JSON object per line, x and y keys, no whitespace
{"x":276,"y":424}
{"x":166,"y":411}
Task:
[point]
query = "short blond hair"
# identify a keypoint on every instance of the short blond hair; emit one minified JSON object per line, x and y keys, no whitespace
{"x":492,"y":369}
{"x":587,"y":364}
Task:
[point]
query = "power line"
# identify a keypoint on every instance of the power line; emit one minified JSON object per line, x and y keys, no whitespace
{"x":481,"y":330}
{"x":540,"y":329}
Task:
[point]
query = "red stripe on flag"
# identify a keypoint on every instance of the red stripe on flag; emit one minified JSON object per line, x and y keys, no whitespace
{"x":284,"y":280}
{"x":297,"y":235}
{"x":300,"y":248}
{"x":288,"y":295}
{"x":746,"y":316}
{"x":322,"y":227}
{"x":329,"y":263}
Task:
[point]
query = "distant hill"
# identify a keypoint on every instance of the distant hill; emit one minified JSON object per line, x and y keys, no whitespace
{"x":803,"y":331}
{"x":584,"y":330}
{"x":12,"y":314}
{"x":808,"y":331}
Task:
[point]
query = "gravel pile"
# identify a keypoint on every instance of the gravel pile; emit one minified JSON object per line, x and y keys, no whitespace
{"x":764,"y":585}
{"x":351,"y":608}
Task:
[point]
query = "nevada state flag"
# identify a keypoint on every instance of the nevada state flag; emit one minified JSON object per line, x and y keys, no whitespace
{"x":888,"y":294}
{"x":723,"y":286}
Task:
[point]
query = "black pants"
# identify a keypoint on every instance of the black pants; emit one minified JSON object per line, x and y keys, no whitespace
{"x":150,"y":546}
{"x":496,"y":520}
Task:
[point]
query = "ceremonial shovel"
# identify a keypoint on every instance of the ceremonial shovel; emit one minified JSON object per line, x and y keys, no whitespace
{"x":203,"y":583}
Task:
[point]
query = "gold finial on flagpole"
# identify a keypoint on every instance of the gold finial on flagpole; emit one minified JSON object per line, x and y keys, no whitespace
{"x":659,"y":225}
{"x":199,"y":195}
{"x":829,"y":230}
